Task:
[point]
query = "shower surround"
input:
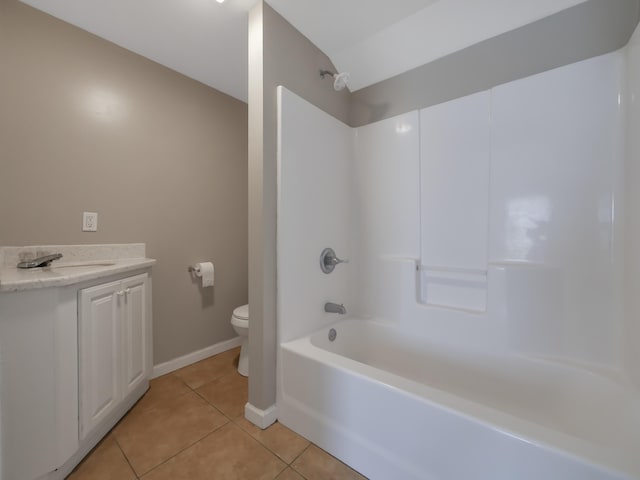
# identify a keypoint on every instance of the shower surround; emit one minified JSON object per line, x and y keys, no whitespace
{"x":491,"y":328}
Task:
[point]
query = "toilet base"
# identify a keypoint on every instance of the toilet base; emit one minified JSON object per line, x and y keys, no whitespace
{"x":243,"y":362}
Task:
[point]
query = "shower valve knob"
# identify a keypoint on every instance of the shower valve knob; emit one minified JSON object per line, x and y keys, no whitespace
{"x":329,"y":260}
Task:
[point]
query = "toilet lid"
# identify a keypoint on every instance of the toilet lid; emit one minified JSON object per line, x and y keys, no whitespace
{"x":242,"y":312}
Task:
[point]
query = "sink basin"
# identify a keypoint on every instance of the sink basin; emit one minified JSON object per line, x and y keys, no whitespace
{"x":83,"y":264}
{"x":60,"y":267}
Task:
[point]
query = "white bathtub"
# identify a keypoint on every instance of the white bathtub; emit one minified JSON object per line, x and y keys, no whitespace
{"x":393,"y":407}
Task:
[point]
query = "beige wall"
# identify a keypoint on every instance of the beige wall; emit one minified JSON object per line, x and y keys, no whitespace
{"x":88,"y":126}
{"x":278,"y":55}
{"x":589,"y":29}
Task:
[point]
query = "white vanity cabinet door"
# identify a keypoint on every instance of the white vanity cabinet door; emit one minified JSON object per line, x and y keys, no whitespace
{"x":114,"y":326}
{"x":135,"y":332}
{"x":99,"y":346}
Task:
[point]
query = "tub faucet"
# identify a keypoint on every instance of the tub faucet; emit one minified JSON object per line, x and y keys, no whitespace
{"x":40,"y":261}
{"x":334,"y":308}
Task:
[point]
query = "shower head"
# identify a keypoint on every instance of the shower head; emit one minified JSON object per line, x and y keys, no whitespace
{"x":340,"y":80}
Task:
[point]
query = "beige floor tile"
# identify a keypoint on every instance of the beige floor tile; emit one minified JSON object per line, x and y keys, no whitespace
{"x":316,"y":464}
{"x":161,"y":390}
{"x":209,"y":369}
{"x":289,"y":474}
{"x":105,"y":462}
{"x":228,"y":394}
{"x":282,"y":441}
{"x":149,"y":437}
{"x":229,"y":453}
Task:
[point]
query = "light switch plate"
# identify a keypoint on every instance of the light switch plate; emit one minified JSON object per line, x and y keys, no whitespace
{"x":89,"y":222}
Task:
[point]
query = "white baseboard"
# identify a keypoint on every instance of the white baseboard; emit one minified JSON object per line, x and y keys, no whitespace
{"x":193,"y":357}
{"x":261,"y":418}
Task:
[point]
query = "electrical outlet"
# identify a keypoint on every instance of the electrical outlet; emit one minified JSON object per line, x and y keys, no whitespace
{"x":89,"y":222}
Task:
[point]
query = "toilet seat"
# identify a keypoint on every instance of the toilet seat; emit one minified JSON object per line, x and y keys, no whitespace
{"x":240,"y":317}
{"x":242,"y":312}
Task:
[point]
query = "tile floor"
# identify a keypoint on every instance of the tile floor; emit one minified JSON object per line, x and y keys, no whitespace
{"x":190,"y":425}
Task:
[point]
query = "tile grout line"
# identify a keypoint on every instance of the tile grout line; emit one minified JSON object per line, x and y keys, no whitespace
{"x":182,"y":450}
{"x":263,"y":446}
{"x":281,"y":471}
{"x":144,"y":410}
{"x":125,"y":457}
{"x":147,"y":409}
{"x":299,"y":455}
{"x":214,"y":380}
{"x":194,"y":390}
{"x":138,"y":477}
{"x":272,"y":451}
{"x":323,"y":450}
{"x":233,"y":420}
{"x":304,"y":450}
{"x":213,"y":406}
{"x":203,"y":360}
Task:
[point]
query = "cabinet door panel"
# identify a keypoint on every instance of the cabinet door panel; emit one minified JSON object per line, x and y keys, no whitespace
{"x":99,"y":348}
{"x":135,"y":341}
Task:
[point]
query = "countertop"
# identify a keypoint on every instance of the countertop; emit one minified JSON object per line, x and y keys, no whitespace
{"x":77,"y":265}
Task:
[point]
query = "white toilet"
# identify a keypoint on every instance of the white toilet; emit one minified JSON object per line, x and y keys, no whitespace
{"x":240,"y":322}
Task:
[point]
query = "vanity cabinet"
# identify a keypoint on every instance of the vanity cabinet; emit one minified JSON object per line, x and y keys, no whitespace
{"x":114,"y":355}
{"x":73,"y":360}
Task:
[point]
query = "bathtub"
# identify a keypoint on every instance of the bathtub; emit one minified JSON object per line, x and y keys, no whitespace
{"x":392,"y":406}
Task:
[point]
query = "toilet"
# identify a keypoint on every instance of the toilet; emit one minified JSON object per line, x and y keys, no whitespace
{"x":240,"y":322}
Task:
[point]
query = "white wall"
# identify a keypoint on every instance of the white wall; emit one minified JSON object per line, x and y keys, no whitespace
{"x":556,"y":153}
{"x":632,"y":210}
{"x":386,"y":211}
{"x":455,"y":156}
{"x":506,"y":201}
{"x":314,"y":183}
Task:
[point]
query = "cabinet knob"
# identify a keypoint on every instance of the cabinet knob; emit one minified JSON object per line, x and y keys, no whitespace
{"x":127,"y":291}
{"x":120,"y":293}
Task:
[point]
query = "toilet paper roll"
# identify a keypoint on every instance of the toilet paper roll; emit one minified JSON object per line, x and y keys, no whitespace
{"x":205,"y":271}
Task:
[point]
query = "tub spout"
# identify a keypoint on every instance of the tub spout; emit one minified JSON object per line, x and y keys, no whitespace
{"x":334,"y":308}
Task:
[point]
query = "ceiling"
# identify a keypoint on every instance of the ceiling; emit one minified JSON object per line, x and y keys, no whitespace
{"x":399,"y":35}
{"x":371,"y":39}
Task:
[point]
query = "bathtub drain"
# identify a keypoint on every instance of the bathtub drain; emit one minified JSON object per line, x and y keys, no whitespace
{"x":332,"y":334}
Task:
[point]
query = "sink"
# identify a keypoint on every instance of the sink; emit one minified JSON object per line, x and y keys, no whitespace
{"x":83,"y":264}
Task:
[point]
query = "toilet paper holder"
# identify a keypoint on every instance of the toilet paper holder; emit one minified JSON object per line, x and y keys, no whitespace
{"x":205,"y":271}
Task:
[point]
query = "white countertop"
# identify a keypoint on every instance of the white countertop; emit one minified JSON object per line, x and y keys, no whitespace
{"x":80,"y":263}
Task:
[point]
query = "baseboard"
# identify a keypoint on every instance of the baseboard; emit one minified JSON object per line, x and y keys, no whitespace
{"x":193,"y":357}
{"x":261,"y":418}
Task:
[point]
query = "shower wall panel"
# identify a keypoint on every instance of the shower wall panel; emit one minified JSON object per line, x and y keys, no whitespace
{"x":314,"y":184}
{"x":556,"y":149}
